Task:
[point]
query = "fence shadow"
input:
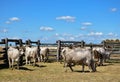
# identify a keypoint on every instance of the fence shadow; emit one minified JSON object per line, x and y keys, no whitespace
{"x":3,"y":66}
{"x":25,"y":68}
{"x":80,"y":71}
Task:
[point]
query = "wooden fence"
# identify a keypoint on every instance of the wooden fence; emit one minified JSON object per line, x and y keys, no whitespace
{"x":110,"y":46}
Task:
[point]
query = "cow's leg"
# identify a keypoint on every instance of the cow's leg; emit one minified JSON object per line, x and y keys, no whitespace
{"x":70,"y":67}
{"x":101,"y":62}
{"x":42,"y":58}
{"x":93,"y":65}
{"x":65,"y":65}
{"x":29,"y":60}
{"x":104,"y":58}
{"x":38,"y":58}
{"x":18,"y":63}
{"x":12,"y":63}
{"x":46,"y":58}
{"x":26,"y":60}
{"x":9,"y":62}
{"x":89,"y":63}
{"x":101,"y":59}
{"x":34,"y":60}
{"x":83,"y":66}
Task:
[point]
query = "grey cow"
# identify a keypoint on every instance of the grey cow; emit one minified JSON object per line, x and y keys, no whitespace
{"x":78,"y":56}
{"x":101,"y":54}
{"x":14,"y":55}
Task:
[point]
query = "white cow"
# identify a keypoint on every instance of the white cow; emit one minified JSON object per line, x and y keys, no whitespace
{"x":14,"y":55}
{"x":31,"y":52}
{"x":78,"y":56}
{"x":101,"y":54}
{"x":44,"y":52}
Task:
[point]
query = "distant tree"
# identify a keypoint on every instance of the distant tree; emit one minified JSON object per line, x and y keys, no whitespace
{"x":112,"y":40}
{"x":107,"y":40}
{"x":117,"y":40}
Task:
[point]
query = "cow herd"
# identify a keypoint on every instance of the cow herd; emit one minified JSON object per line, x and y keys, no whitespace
{"x":32,"y":54}
{"x":91,"y":58}
{"x":70,"y":56}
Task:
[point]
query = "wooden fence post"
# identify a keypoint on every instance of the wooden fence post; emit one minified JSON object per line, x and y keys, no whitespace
{"x":104,"y":44}
{"x":82,"y":44}
{"x":21,"y":57}
{"x":38,"y":45}
{"x":58,"y":50}
{"x":5,"y":55}
{"x":91,"y":47}
{"x":28,"y":42}
{"x":20,"y":42}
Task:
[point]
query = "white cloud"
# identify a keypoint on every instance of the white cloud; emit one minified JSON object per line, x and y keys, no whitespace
{"x":14,"y":19}
{"x":15,"y":37}
{"x":5,"y":30}
{"x":113,"y":9}
{"x":56,"y":34}
{"x":95,"y":34}
{"x":86,"y":23}
{"x":72,"y":38}
{"x":8,"y":22}
{"x":66,"y":35}
{"x":83,"y":28}
{"x":66,"y":18}
{"x":44,"y":28}
{"x":111,"y":34}
{"x":61,"y":38}
{"x":79,"y":35}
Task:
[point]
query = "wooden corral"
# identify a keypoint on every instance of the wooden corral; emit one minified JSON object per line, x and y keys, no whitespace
{"x":114,"y":46}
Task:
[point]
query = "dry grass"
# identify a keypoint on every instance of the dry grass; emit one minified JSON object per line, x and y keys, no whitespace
{"x":54,"y":72}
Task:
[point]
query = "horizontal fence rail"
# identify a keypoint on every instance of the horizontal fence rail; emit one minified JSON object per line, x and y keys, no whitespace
{"x":112,"y":46}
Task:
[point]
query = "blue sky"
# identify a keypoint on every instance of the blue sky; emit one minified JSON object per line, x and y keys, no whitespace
{"x":51,"y":20}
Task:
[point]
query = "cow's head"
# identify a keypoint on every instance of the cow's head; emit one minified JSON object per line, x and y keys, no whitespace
{"x":21,"y":51}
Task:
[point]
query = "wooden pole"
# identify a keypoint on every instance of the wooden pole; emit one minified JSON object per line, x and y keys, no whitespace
{"x":28,"y":42}
{"x":104,"y":44}
{"x":5,"y":55}
{"x":38,"y":45}
{"x":91,"y":47}
{"x":21,"y":57}
{"x":20,"y":42}
{"x":82,"y":44}
{"x":58,"y":50}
